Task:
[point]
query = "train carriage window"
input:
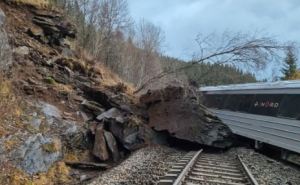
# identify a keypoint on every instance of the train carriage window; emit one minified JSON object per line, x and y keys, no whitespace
{"x":245,"y":103}
{"x":266,"y":104}
{"x":214,"y":101}
{"x":232,"y":102}
{"x":290,"y":107}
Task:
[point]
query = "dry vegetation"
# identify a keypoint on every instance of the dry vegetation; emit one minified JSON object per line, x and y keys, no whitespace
{"x":57,"y":174}
{"x":10,"y":107}
{"x":35,"y":3}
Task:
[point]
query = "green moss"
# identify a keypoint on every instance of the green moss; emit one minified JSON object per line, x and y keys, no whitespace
{"x":50,"y":80}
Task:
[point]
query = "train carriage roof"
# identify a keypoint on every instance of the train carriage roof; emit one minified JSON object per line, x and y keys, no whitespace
{"x":292,"y":84}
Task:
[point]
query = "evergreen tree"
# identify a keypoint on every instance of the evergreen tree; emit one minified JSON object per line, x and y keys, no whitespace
{"x":290,"y":66}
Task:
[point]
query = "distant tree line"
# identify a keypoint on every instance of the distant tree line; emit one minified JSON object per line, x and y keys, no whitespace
{"x":204,"y":74}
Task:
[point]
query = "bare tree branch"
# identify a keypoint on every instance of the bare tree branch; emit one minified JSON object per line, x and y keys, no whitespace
{"x":237,"y":49}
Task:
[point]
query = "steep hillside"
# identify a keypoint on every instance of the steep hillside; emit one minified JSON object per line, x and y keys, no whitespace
{"x":56,"y":103}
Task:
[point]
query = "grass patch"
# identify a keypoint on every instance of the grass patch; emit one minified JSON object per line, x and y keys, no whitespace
{"x":52,"y":147}
{"x":10,"y":107}
{"x":57,"y":174}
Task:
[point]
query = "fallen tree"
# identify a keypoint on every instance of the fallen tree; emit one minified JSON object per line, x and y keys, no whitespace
{"x":237,"y":49}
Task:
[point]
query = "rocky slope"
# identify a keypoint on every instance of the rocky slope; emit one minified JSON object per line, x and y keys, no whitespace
{"x":69,"y":109}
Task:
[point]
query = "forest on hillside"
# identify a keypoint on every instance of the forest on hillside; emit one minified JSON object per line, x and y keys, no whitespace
{"x":133,"y":50}
{"x":205,"y":74}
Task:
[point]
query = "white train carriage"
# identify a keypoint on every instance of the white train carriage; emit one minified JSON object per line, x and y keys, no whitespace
{"x":265,"y":112}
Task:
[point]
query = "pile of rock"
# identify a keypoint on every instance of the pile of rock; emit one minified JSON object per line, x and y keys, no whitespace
{"x":117,"y":127}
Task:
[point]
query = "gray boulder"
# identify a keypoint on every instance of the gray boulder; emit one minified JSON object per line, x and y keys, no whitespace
{"x":50,"y":111}
{"x":100,"y":149}
{"x":131,"y":137}
{"x":112,"y":145}
{"x":112,"y":113}
{"x":38,"y":153}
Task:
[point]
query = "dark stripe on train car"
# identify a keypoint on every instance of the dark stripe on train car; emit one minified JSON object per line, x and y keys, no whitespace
{"x":275,"y":105}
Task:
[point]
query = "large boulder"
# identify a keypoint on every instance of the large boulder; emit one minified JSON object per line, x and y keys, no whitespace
{"x":112,"y":145}
{"x":100,"y":149}
{"x":178,"y":112}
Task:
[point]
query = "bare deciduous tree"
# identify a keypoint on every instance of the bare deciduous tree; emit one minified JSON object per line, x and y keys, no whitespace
{"x":236,"y":49}
{"x":148,"y":39}
{"x":113,"y":17}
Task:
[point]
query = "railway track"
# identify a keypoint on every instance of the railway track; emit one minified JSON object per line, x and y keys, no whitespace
{"x":208,"y":169}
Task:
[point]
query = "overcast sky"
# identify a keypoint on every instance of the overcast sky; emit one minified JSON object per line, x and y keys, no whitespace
{"x":182,"y":20}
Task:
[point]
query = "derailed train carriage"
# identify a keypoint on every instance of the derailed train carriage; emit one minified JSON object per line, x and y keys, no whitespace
{"x":265,"y":112}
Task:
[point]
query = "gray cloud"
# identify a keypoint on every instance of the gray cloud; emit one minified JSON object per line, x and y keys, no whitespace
{"x":182,"y":20}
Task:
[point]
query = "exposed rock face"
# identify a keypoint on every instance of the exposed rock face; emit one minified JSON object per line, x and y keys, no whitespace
{"x":178,"y":112}
{"x":50,"y":111}
{"x":5,"y":49}
{"x":2,"y":17}
{"x":54,"y":26}
{"x":38,"y":153}
{"x":113,"y":113}
{"x":92,"y":107}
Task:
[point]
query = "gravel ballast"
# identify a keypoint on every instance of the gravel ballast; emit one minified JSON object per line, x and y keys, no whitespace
{"x":144,"y":166}
{"x":268,"y":171}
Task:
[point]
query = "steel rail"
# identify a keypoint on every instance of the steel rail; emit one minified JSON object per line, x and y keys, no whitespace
{"x":248,"y":173}
{"x":187,"y":168}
